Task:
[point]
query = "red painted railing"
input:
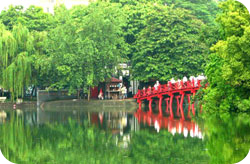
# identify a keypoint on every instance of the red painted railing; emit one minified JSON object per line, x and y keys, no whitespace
{"x":166,"y":88}
{"x":168,"y":91}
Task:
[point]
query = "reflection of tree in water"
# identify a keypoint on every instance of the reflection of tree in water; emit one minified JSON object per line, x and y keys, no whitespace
{"x":29,"y":117}
{"x":175,"y":140}
{"x":227,"y":137}
{"x":81,"y":142}
{"x":163,"y":147}
{"x":226,"y":140}
{"x":56,"y":143}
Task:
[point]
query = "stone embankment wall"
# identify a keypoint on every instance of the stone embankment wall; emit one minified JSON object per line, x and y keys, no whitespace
{"x":93,"y":105}
{"x":45,"y":96}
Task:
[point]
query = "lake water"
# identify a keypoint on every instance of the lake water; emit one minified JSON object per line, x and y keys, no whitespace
{"x":78,"y":136}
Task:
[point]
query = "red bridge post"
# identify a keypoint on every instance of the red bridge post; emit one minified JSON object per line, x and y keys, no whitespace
{"x":178,"y":105}
{"x":171,"y":105}
{"x":181,"y":105}
{"x":150,"y":105}
{"x":193,"y":109}
{"x":188,"y":105}
{"x":167,"y":106}
{"x":139,"y":101}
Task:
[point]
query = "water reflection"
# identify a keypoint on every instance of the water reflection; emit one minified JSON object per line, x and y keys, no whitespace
{"x":119,"y":136}
{"x":119,"y":123}
{"x":227,"y":137}
{"x":3,"y":116}
{"x":173,"y":125}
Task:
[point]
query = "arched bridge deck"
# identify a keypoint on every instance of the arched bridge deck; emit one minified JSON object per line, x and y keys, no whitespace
{"x":167,"y":92}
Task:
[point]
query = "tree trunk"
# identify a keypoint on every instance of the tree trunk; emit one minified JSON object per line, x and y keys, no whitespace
{"x":31,"y":95}
{"x":89,"y":94}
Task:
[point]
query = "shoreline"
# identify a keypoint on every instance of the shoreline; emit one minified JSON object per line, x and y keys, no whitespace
{"x":93,"y":104}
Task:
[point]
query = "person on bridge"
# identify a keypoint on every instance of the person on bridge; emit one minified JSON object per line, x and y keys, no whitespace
{"x":157,"y":84}
{"x":201,"y":77}
{"x":172,"y":81}
{"x":149,"y":90}
{"x":179,"y":84}
{"x":144,"y":91}
{"x":184,"y":79}
{"x":191,"y":78}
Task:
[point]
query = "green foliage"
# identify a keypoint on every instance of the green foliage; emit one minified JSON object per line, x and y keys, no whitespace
{"x":168,"y":45}
{"x":85,"y":46}
{"x":168,"y":38}
{"x":12,"y":16}
{"x":37,"y":20}
{"x":16,"y":48}
{"x":204,"y":10}
{"x":36,"y":23}
{"x":229,"y":66}
{"x":33,"y":18}
{"x":71,"y":49}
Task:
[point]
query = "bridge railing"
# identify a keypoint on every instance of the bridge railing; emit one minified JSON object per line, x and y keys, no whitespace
{"x":179,"y":85}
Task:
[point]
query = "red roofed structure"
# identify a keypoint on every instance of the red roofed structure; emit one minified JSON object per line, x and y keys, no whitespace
{"x":113,"y":88}
{"x":115,"y":80}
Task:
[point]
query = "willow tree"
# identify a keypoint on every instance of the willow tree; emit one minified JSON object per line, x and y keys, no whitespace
{"x":16,"y":47}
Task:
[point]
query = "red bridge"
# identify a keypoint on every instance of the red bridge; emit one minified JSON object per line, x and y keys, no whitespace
{"x":167,"y":92}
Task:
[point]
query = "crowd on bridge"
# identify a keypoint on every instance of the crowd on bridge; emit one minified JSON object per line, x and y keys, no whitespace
{"x":171,"y":85}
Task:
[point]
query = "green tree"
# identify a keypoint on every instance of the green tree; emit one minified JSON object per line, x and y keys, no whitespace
{"x":16,"y":48}
{"x":169,"y":44}
{"x":195,"y":12}
{"x":38,"y":24}
{"x":205,"y":10}
{"x":229,"y":67}
{"x":37,"y":20}
{"x":33,"y":18}
{"x":85,"y":46}
{"x":11,"y":16}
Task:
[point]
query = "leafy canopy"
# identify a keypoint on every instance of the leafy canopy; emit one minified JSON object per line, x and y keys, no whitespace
{"x":16,"y":48}
{"x":85,"y":46}
{"x":229,"y":67}
{"x":168,"y":45}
